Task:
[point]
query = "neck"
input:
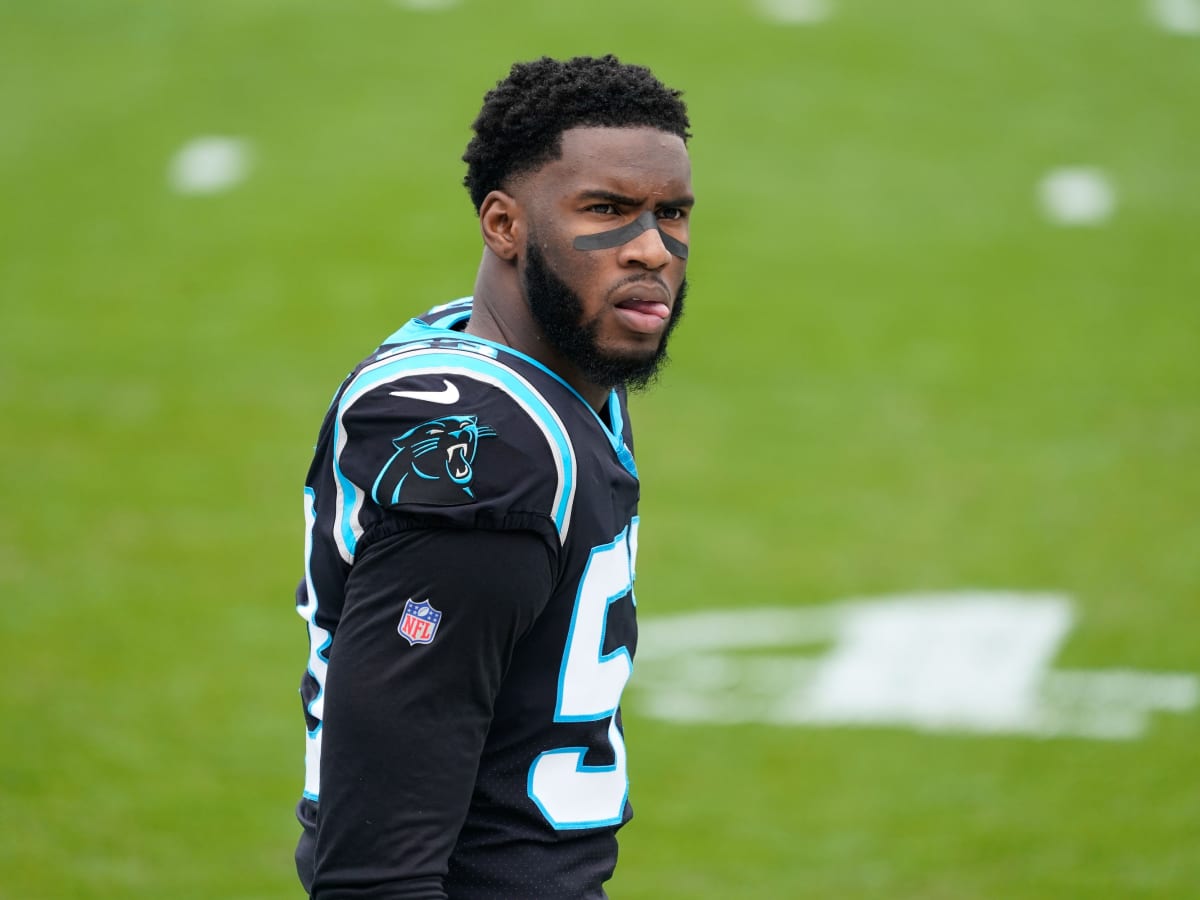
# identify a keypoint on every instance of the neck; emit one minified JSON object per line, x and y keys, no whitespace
{"x":501,"y":314}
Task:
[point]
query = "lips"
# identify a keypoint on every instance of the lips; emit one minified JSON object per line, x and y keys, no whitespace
{"x":646,"y":307}
{"x":646,"y":303}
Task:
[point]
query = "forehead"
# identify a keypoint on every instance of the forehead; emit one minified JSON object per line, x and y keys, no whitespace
{"x":634,"y":161}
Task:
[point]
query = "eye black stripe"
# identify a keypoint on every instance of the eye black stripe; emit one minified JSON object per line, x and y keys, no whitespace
{"x":606,"y":240}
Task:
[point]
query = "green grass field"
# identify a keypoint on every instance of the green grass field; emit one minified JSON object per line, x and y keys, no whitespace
{"x":896,"y":375}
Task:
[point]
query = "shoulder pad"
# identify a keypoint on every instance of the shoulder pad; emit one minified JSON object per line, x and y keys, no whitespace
{"x":456,"y":433}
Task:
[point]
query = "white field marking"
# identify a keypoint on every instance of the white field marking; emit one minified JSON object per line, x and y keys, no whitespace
{"x":210,"y":164}
{"x":967,"y":662}
{"x":1176,"y":16}
{"x":427,"y":5}
{"x":1077,"y":196}
{"x":795,"y":12}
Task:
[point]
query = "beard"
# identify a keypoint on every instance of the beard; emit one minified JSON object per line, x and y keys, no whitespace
{"x":558,"y":310}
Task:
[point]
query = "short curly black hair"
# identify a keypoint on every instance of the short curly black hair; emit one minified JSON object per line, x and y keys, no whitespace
{"x":523,"y":117}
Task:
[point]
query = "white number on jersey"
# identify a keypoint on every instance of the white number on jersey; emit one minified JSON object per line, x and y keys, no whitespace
{"x":569,"y":793}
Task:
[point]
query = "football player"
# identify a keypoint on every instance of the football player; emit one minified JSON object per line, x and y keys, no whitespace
{"x":471,"y":515}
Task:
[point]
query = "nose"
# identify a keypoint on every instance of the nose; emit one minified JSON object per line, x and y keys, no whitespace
{"x":646,"y":250}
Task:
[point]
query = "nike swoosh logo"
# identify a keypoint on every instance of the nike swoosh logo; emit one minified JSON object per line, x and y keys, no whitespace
{"x":448,"y":395}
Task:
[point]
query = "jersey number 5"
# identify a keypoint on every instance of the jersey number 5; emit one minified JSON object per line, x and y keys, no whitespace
{"x":569,"y":793}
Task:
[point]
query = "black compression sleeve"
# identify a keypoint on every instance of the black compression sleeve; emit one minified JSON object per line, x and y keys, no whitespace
{"x":404,"y":724}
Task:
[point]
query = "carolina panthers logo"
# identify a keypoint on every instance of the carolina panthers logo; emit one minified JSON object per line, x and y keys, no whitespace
{"x":433,"y":462}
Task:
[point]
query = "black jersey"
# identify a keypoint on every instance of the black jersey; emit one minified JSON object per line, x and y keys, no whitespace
{"x":471,"y":535}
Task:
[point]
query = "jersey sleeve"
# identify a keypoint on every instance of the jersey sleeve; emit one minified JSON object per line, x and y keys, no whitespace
{"x":429,"y":626}
{"x":443,"y":491}
{"x":458,"y":443}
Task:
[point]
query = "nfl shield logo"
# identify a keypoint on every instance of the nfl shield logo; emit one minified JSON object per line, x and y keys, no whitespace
{"x":419,"y":623}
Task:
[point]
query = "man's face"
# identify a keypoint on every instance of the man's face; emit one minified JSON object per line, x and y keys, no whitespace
{"x":608,"y":312}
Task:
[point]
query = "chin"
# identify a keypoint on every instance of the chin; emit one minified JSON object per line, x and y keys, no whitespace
{"x":632,"y":352}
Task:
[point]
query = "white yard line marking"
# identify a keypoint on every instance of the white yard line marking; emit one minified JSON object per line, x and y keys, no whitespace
{"x":795,"y":12}
{"x":966,"y":662}
{"x":427,"y":5}
{"x":209,"y":165}
{"x":1176,"y":16}
{"x":1077,"y":196}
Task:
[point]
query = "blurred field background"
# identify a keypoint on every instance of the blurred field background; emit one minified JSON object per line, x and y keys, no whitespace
{"x":897,"y":373}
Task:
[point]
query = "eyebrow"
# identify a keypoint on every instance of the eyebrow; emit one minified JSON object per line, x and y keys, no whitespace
{"x":623,"y":200}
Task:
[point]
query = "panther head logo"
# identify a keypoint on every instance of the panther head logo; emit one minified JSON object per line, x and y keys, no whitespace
{"x":433,"y":462}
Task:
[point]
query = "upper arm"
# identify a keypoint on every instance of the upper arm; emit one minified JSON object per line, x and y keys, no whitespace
{"x":405,"y":722}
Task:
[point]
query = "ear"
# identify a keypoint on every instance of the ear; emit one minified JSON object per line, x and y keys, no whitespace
{"x":502,"y":224}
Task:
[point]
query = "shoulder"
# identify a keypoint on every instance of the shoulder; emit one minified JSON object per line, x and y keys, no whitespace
{"x":446,"y":426}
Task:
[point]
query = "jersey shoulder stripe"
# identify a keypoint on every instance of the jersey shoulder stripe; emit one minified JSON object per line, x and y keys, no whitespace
{"x":462,"y":359}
